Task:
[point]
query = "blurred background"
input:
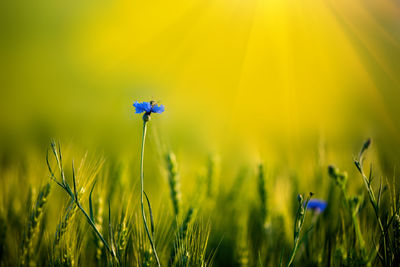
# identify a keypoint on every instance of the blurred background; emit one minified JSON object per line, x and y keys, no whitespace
{"x":295,"y":84}
{"x":245,"y":80}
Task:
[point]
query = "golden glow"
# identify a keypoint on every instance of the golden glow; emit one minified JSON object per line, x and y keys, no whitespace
{"x":233,"y":70}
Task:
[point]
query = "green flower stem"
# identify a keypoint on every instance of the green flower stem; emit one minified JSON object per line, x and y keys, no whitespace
{"x":374,"y":203}
{"x":356,"y":222}
{"x":141,"y":194}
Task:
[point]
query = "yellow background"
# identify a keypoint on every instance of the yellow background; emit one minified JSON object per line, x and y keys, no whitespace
{"x":250,"y":76}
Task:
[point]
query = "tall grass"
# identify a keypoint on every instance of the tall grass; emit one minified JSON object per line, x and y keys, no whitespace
{"x":91,"y":216}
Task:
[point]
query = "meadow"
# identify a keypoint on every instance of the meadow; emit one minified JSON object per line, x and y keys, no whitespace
{"x":69,"y":208}
{"x":274,"y":136}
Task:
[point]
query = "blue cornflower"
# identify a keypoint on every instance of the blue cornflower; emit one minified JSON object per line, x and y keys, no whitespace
{"x":317,"y":205}
{"x":148,"y":107}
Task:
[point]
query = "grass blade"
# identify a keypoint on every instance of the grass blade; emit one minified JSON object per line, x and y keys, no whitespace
{"x":73,"y":179}
{"x":90,"y":203}
{"x":151,"y":215}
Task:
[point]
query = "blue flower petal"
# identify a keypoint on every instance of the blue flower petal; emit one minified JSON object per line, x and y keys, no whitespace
{"x":317,"y":204}
{"x":147,"y":106}
{"x":142,"y":107}
{"x":138,"y":107}
{"x":158,"y":109}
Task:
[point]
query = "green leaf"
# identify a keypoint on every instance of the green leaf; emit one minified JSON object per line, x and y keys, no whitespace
{"x":151,"y":215}
{"x":73,"y":179}
{"x":90,"y":203}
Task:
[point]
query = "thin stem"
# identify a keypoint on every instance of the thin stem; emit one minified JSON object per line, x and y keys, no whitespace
{"x":367,"y":181}
{"x":141,"y":194}
{"x":74,"y":196}
{"x":374,"y":203}
{"x":293,"y":254}
{"x":298,"y":225}
{"x":356,"y":223}
{"x":357,"y":229}
{"x":91,"y":223}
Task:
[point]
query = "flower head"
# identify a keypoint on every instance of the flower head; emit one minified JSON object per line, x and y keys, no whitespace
{"x":317,"y":205}
{"x":148,"y":107}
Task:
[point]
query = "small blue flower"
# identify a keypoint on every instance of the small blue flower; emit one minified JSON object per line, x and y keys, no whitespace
{"x":317,"y":205}
{"x":148,"y":107}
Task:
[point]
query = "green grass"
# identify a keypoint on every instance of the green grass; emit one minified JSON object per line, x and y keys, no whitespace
{"x":90,"y":214}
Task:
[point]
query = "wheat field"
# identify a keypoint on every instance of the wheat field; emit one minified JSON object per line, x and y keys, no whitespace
{"x":200,"y":133}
